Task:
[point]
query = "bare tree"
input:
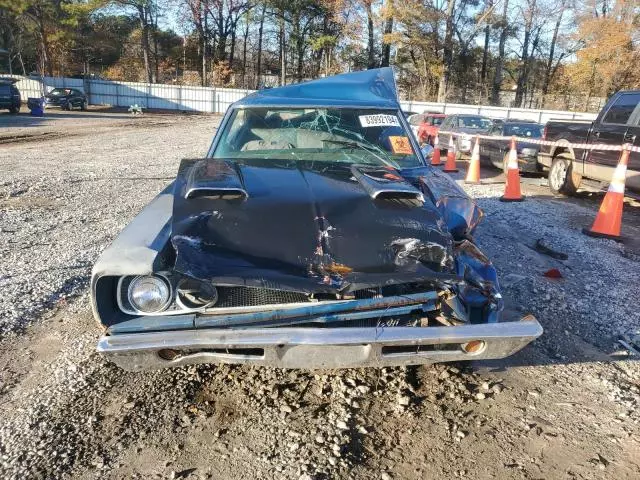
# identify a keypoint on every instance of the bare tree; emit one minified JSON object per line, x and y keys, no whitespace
{"x":497,"y":74}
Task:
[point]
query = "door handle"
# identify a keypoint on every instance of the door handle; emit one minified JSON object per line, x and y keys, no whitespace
{"x":628,"y":138}
{"x":597,"y":133}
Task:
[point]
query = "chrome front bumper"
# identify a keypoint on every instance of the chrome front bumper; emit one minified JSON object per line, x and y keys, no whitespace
{"x":318,"y":347}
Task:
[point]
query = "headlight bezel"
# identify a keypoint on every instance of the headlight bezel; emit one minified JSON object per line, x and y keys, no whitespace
{"x":173,"y":307}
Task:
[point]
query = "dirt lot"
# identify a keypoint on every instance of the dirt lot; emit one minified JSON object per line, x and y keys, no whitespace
{"x":568,"y":406}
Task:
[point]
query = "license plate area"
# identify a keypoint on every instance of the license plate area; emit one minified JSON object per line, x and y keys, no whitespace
{"x":323,"y":356}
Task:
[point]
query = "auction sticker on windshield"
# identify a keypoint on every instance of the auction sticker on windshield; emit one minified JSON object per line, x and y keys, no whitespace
{"x":379,"y":120}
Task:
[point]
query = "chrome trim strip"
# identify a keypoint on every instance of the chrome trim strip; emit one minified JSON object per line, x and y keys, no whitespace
{"x":416,"y":195}
{"x":317,"y":347}
{"x":240,"y":191}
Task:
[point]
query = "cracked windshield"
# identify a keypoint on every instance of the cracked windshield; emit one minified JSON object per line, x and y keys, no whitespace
{"x":354,"y":136}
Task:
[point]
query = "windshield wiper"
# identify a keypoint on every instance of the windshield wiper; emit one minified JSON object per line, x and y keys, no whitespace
{"x":361,"y":146}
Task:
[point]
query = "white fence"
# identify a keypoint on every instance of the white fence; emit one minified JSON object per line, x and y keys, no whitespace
{"x":147,"y":95}
{"x":216,"y":100}
{"x":541,"y":116}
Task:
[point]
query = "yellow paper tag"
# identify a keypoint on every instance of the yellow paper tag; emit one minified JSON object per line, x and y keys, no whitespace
{"x":400,"y":145}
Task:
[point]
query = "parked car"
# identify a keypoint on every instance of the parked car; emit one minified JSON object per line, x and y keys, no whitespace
{"x":67,"y":98}
{"x":618,"y":122}
{"x":467,"y":126}
{"x":496,"y":152}
{"x":415,"y":120}
{"x":429,"y":127}
{"x":9,"y":95}
{"x":312,"y":235}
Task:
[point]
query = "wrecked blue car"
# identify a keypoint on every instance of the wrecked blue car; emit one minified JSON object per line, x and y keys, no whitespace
{"x":312,"y":235}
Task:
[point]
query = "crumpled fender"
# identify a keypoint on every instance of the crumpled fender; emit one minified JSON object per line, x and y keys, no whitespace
{"x":459,"y":211}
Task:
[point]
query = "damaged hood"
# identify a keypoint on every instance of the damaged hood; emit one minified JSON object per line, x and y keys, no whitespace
{"x":308,"y":226}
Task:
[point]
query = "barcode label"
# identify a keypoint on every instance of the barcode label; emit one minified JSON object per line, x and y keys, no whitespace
{"x":380,"y":120}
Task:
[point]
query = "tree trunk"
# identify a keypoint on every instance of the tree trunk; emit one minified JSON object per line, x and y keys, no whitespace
{"x":371,"y":63}
{"x":233,"y":48}
{"x":298,"y":38}
{"x":155,"y":50}
{"x":485,"y":50}
{"x":46,"y":53}
{"x":521,"y":84}
{"x":205,"y":50}
{"x":244,"y":52}
{"x":497,"y":75}
{"x":388,"y":28}
{"x":447,"y":53}
{"x":260,"y":30}
{"x":548,"y":69}
{"x":144,"y":26}
{"x":283,"y":53}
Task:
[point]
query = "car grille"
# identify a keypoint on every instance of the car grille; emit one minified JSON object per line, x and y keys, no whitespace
{"x":249,"y":297}
{"x":255,"y":296}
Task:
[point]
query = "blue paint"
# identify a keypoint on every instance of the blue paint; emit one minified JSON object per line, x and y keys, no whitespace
{"x":153,"y":324}
{"x":314,"y":310}
{"x":374,"y":88}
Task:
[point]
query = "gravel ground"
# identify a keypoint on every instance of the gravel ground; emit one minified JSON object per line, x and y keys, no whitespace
{"x":567,"y":406}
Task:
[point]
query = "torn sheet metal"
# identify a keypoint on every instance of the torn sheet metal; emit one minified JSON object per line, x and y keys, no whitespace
{"x":480,"y":293}
{"x":298,"y":221}
{"x":459,"y":211}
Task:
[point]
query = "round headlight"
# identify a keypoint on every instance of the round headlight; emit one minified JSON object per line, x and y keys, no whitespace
{"x":149,"y":294}
{"x":193,"y":294}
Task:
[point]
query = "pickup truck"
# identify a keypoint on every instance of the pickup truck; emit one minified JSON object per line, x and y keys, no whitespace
{"x":617,"y":123}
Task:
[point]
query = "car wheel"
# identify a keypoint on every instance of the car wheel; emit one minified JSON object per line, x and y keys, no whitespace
{"x":84,"y":105}
{"x":562,"y":179}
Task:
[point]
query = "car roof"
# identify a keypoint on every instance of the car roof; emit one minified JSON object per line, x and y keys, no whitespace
{"x":374,"y":88}
{"x":528,"y":122}
{"x":8,"y":80}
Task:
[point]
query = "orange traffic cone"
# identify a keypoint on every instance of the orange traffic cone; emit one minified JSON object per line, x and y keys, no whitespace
{"x":512,"y":185}
{"x":435,"y":158}
{"x":473,"y":174}
{"x":609,"y":218}
{"x":450,"y":164}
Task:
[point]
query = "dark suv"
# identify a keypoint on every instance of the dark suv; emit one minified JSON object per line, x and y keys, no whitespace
{"x":9,"y":95}
{"x":67,"y":98}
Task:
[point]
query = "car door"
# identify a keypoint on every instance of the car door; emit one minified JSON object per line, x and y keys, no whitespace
{"x":447,"y":126}
{"x":633,"y":136}
{"x":613,"y":129}
{"x":488,"y":146}
{"x":414,"y":122}
{"x":77,"y":98}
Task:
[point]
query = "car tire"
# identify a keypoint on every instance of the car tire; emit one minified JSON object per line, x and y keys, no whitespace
{"x":14,"y":110}
{"x":84,"y":105}
{"x":562,"y":179}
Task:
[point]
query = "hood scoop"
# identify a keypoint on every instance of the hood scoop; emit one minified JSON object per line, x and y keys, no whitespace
{"x":385,"y":184}
{"x":216,"y":179}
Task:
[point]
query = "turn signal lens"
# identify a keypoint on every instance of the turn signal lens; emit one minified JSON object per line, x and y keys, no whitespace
{"x":474,"y":346}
